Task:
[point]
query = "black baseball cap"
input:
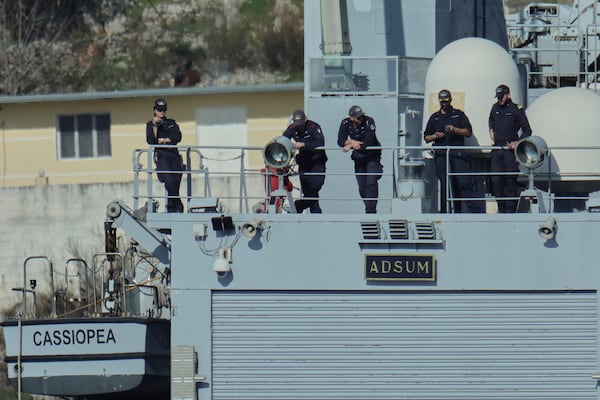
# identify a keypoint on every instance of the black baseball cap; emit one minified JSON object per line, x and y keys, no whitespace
{"x":444,"y":95}
{"x":501,"y":90}
{"x":298,"y":117}
{"x":160,"y":105}
{"x":356,"y":111}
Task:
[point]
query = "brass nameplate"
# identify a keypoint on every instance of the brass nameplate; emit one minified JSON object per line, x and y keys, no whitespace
{"x":400,"y":267}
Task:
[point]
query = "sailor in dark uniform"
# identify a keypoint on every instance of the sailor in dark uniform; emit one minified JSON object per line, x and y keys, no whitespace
{"x":357,"y":133}
{"x":505,"y":121}
{"x":449,"y":127}
{"x":161,"y":130}
{"x":306,"y":136}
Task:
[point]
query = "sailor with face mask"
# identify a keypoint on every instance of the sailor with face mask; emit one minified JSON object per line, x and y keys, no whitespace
{"x":448,"y":127}
{"x":165,"y":132}
{"x":306,"y":136}
{"x":505,"y":121}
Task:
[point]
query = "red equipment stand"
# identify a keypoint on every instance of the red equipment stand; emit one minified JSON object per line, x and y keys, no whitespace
{"x":278,"y":188}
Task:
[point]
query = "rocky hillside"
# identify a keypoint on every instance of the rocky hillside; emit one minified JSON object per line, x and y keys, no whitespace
{"x":73,"y":46}
{"x":62,"y":46}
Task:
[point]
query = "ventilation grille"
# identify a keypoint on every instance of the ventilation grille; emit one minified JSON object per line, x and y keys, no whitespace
{"x":398,"y":229}
{"x":183,"y":369}
{"x":425,"y":230}
{"x":371,"y":230}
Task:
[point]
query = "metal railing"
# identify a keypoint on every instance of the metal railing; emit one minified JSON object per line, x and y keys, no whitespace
{"x":202,"y":182}
{"x":562,"y":50}
{"x":99,"y":286}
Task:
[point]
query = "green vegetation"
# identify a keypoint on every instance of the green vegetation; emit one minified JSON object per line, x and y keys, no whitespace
{"x":73,"y":46}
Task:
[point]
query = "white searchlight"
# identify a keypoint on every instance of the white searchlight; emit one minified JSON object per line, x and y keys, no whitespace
{"x":279,"y":152}
{"x":531,"y":151}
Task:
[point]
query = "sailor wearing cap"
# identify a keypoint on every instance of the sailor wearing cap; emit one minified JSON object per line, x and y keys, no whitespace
{"x":448,"y":127}
{"x":357,"y":133}
{"x":164,"y":131}
{"x":505,"y":121}
{"x":306,"y":136}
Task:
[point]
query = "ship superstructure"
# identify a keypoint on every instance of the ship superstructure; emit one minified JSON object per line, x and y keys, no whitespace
{"x":261,"y":302}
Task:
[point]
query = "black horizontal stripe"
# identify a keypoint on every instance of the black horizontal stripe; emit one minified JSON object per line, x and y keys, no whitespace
{"x":78,"y":321}
{"x":87,"y":357}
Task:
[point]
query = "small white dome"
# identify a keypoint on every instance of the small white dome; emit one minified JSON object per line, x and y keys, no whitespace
{"x":471,"y":68}
{"x":568,"y":117}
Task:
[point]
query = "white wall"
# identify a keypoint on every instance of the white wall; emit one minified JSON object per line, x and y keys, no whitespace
{"x":50,"y":221}
{"x":222,"y":126}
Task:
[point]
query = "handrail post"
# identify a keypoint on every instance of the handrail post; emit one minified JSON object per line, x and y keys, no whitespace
{"x":87,"y":282}
{"x":52,"y":292}
{"x":243,"y":189}
{"x":150,"y":199}
{"x":188,"y":173}
{"x":19,"y":367}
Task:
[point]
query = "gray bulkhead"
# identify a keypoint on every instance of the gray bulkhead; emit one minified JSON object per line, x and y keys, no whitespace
{"x":508,"y":315}
{"x":381,"y":65}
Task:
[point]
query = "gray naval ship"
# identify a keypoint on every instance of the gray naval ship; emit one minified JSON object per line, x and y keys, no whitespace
{"x":241,"y":297}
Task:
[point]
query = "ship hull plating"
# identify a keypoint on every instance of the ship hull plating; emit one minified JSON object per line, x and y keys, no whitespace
{"x":89,"y":356}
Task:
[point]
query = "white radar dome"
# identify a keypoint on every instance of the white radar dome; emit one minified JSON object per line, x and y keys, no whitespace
{"x":471,"y":69}
{"x":568,"y":117}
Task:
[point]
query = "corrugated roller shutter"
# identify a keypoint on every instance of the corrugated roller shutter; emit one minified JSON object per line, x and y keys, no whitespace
{"x":427,"y":345}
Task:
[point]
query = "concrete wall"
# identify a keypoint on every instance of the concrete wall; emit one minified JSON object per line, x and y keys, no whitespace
{"x":59,"y":222}
{"x":67,"y":221}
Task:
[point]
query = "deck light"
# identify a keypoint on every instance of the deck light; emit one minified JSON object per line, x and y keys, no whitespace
{"x":279,"y":152}
{"x":531,"y":151}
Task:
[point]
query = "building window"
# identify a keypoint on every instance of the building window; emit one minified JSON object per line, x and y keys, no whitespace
{"x":84,"y":136}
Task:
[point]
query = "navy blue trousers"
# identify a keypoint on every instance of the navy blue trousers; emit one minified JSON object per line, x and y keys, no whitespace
{"x":504,"y":185}
{"x":462,"y":187}
{"x":311,"y":185}
{"x":368,"y":172}
{"x":171,"y":180}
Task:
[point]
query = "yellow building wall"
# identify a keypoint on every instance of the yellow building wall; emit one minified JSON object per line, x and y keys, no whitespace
{"x":28,"y":133}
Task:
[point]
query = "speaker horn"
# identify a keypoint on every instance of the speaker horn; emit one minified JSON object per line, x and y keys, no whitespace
{"x":249,"y":229}
{"x":547,"y":230}
{"x":279,"y":152}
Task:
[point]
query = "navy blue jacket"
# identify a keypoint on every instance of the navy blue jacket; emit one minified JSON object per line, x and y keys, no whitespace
{"x":167,"y":128}
{"x":506,"y":121}
{"x":438,"y":121}
{"x":365,"y":133}
{"x":312,"y":137}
